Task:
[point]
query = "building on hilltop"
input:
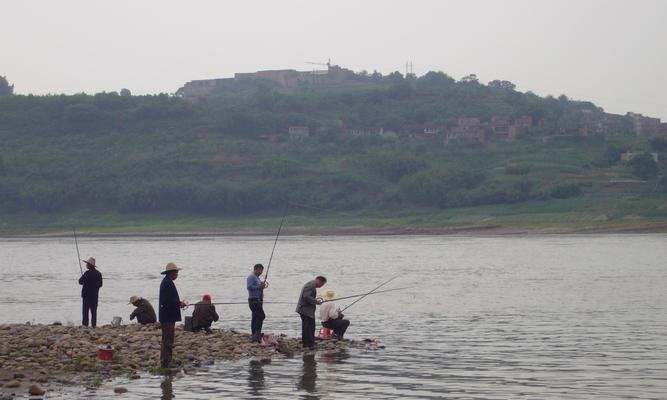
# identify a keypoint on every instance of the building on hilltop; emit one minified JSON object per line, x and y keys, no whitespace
{"x":333,"y":75}
{"x":644,"y":126}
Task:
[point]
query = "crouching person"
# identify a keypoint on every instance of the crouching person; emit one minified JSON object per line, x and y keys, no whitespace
{"x":331,"y":317}
{"x":204,"y":315}
{"x":144,"y":312}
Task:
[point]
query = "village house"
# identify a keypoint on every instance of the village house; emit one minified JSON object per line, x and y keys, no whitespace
{"x":629,"y":155}
{"x":468,"y":129}
{"x":644,"y":126}
{"x":502,"y":128}
{"x":298,"y":132}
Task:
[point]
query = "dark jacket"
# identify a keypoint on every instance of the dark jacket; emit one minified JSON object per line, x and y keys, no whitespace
{"x":307,"y":302}
{"x":144,"y":313}
{"x":92,"y":282}
{"x":204,"y":315}
{"x":170,"y":303}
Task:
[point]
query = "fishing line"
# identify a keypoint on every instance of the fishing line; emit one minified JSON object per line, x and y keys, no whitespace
{"x":369,"y":293}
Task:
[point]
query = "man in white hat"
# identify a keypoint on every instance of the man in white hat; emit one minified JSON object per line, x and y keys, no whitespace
{"x":144,"y":312}
{"x":170,"y":313}
{"x":331,"y":317}
{"x":92,"y":282}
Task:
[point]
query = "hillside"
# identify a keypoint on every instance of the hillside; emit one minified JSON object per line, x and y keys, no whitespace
{"x":132,"y":163}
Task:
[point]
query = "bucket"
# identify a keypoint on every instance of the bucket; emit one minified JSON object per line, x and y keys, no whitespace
{"x":326,"y":333}
{"x":105,"y":352}
{"x":115,"y":322}
{"x":188,"y":324}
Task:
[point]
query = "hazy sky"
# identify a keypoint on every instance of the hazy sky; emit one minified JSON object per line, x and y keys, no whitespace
{"x":613,"y":53}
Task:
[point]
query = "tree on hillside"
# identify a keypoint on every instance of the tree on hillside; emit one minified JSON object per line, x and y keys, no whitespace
{"x":472,"y":78}
{"x":643,"y":166}
{"x":5,"y":88}
{"x":125,"y":92}
{"x":502,"y":84}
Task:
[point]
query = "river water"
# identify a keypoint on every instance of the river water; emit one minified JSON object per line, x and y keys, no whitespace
{"x":548,"y":317}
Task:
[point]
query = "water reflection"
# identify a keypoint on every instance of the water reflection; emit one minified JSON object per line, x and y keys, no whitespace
{"x":308,"y":377}
{"x":167,"y":388}
{"x":255,"y":378}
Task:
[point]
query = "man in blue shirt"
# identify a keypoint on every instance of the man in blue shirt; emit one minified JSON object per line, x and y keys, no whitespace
{"x":255,"y":299}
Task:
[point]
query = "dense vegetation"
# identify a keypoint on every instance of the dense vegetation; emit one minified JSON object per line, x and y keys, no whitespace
{"x":112,"y":153}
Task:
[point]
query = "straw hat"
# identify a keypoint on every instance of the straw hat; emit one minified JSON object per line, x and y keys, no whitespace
{"x":134,"y":299}
{"x":170,"y":267}
{"x":91,"y":261}
{"x":330,"y":294}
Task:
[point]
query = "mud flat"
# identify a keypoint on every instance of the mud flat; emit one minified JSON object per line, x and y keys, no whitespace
{"x":44,"y":356}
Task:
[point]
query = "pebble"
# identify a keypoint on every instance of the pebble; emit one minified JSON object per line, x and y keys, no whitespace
{"x":35,"y":390}
{"x":120,"y":389}
{"x":13,"y":384}
{"x":68,"y":354}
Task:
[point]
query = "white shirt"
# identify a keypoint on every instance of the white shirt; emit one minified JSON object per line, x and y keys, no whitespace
{"x":328,"y":311}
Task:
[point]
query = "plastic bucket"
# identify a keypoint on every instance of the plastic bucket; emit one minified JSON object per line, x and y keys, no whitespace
{"x":326,"y":333}
{"x":105,"y":352}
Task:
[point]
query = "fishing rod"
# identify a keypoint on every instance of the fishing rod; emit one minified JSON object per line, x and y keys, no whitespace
{"x":366,"y":294}
{"x":275,"y":242}
{"x":371,"y":292}
{"x":78,"y":255}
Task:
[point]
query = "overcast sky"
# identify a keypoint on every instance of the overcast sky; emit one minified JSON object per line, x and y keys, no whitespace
{"x":611,"y":52}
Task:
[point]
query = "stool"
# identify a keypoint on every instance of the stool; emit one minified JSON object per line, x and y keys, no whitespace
{"x":326,"y":333}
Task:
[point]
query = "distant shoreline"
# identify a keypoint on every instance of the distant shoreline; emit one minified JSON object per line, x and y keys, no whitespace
{"x":471,"y":230}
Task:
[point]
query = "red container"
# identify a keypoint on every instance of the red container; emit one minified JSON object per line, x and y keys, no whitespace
{"x":326,"y":333}
{"x":105,"y":352}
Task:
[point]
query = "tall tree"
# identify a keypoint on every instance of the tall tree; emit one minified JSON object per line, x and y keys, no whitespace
{"x":5,"y":88}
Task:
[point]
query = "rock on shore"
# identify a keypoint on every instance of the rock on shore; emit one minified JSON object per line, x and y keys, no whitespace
{"x":59,"y":354}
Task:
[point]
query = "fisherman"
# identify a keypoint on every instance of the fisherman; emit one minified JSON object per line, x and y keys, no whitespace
{"x":92,"y":282}
{"x":170,"y":312}
{"x":306,"y":309}
{"x":255,"y":301}
{"x":204,"y":315}
{"x":331,"y":317}
{"x":144,"y":311}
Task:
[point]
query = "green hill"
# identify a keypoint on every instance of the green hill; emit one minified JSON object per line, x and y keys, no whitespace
{"x":107,"y":162}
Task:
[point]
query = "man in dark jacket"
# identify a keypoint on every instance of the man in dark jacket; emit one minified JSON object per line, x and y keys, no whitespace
{"x":144,"y":311}
{"x":170,"y":313}
{"x":306,"y":309}
{"x":92,"y":282}
{"x":204,"y":315}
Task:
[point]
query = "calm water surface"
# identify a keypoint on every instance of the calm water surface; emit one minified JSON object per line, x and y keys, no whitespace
{"x":492,"y":318}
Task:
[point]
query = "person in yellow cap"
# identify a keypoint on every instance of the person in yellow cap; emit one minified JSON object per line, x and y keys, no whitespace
{"x":331,"y":317}
{"x":144,"y":312}
{"x":91,"y":280}
{"x":169,"y":313}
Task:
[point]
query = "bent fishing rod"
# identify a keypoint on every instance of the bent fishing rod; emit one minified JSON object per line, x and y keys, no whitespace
{"x":78,"y":255}
{"x":366,"y":294}
{"x":369,"y":293}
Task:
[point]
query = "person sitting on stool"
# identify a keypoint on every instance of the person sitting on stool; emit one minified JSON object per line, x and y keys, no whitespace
{"x":331,"y":317}
{"x":204,"y":315}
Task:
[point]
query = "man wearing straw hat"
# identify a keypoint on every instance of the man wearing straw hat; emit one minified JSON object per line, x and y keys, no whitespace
{"x":331,"y":317}
{"x":144,"y":312}
{"x":92,"y":282}
{"x":170,"y":313}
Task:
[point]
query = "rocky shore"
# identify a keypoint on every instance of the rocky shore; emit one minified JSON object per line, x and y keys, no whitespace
{"x":35,"y":357}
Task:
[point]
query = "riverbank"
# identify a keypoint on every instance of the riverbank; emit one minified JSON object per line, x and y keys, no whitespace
{"x":585,"y":214}
{"x":56,"y":355}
